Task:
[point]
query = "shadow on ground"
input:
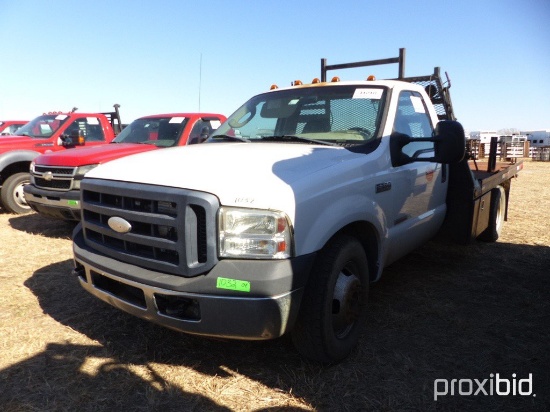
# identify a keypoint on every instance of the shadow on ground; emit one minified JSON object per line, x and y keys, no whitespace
{"x":36,"y":224}
{"x":443,"y":312}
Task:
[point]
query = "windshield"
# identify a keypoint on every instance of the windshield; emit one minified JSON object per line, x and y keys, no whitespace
{"x":43,"y":126}
{"x":159,"y":131}
{"x":335,"y":114}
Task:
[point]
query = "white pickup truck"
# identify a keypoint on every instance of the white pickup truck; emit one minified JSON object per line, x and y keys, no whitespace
{"x":281,"y":221}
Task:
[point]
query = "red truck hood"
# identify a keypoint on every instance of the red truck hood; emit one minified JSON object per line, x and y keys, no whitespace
{"x":82,"y":156}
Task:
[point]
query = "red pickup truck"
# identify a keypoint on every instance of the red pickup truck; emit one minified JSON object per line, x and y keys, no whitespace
{"x":54,"y":190}
{"x":50,"y":132}
{"x":9,"y":127}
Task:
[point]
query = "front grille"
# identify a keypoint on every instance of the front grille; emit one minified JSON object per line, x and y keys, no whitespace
{"x":61,"y":178}
{"x":172,"y":230}
{"x":52,"y":184}
{"x":56,"y":170}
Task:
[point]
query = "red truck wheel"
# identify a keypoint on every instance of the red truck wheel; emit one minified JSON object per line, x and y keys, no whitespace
{"x":12,"y":194}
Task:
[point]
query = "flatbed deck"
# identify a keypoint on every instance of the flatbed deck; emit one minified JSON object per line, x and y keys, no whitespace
{"x":489,"y":180}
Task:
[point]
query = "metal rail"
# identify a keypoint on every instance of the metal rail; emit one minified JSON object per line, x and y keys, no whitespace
{"x":400,"y":60}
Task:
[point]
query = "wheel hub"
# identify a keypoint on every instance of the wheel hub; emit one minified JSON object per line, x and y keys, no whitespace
{"x":19,"y":196}
{"x":346,"y":303}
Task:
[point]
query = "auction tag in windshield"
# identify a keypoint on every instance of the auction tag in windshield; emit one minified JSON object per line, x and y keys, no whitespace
{"x":176,"y":119}
{"x":368,"y":94}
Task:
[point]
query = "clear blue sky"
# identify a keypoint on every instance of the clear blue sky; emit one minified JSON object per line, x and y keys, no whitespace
{"x":146,"y":55}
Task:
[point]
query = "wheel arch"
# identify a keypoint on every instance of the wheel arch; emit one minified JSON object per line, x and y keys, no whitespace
{"x":15,"y":162}
{"x":367,"y":235}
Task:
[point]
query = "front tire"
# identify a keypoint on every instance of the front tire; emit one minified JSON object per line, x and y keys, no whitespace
{"x":334,"y":305}
{"x":496,"y":216}
{"x":12,"y":194}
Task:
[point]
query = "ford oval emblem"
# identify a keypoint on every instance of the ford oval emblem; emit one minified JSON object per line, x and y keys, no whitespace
{"x":119,"y":224}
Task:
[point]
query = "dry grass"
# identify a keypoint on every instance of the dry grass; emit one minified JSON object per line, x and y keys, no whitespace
{"x":442,"y":312}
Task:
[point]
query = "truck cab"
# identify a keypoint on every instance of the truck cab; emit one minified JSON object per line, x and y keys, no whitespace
{"x":10,"y":127}
{"x":54,"y":188}
{"x":50,"y":132}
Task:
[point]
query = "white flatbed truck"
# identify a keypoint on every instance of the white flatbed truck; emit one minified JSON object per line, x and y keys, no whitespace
{"x":278,"y":224}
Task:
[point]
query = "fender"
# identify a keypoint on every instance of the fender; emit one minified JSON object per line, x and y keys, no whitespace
{"x":313,"y":231}
{"x":15,"y":156}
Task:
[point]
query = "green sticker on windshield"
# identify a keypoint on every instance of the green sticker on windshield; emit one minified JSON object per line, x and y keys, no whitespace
{"x":233,"y":284}
{"x":72,"y":202}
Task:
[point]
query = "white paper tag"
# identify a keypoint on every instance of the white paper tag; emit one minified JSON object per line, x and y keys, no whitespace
{"x":176,"y":119}
{"x":417,"y":104}
{"x":369,"y":93}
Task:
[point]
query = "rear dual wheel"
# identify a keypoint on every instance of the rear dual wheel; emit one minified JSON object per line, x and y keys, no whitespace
{"x":334,"y":305}
{"x":496,"y":215}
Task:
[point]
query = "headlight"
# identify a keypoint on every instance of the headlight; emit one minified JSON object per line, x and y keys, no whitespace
{"x":254,"y":233}
{"x":31,"y":173}
{"x":79,"y":174}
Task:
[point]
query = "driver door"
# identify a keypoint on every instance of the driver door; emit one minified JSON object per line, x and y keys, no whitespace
{"x":419,"y":187}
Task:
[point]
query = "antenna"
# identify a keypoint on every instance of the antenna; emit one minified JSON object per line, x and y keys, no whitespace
{"x":200,"y":82}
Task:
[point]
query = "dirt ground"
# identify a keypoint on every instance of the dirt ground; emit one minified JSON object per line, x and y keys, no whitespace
{"x":444,"y":312}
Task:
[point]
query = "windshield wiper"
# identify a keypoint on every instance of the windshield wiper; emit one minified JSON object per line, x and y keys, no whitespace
{"x":294,"y":138}
{"x":228,"y":138}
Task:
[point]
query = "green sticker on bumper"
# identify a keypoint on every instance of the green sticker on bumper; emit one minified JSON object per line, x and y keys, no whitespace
{"x":233,"y":284}
{"x":72,"y":202}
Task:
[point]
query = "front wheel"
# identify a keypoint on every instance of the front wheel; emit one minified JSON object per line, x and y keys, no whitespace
{"x":12,"y":194}
{"x":496,"y":215}
{"x":334,"y":305}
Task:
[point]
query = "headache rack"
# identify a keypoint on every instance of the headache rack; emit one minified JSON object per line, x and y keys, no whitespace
{"x":114,"y":118}
{"x":437,"y":90}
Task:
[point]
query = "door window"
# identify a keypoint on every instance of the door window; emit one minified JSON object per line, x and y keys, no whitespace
{"x":89,"y":126}
{"x":413,"y":120}
{"x":202,"y":129}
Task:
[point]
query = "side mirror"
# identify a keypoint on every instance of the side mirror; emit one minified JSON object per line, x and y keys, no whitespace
{"x":449,"y":142}
{"x":449,"y":145}
{"x":75,"y":138}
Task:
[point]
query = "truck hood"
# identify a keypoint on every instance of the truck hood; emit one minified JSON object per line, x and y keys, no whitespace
{"x":81,"y":156}
{"x":256,"y":175}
